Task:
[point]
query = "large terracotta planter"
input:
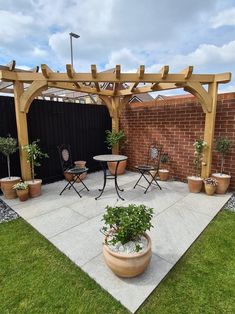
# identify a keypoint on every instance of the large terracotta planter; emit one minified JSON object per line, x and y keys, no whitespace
{"x":210,"y":189}
{"x":7,"y":187}
{"x":195,"y":184}
{"x":163,"y":174}
{"x":223,"y":182}
{"x":128,"y":265}
{"x":23,"y":195}
{"x":80,"y":164}
{"x":35,"y":187}
{"x":69,"y":177}
{"x":121,"y":167}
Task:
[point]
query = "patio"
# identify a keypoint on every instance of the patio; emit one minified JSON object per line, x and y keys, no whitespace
{"x":73,"y":224}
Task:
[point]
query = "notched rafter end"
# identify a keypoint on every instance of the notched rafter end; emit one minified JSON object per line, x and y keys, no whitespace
{"x":164,"y":71}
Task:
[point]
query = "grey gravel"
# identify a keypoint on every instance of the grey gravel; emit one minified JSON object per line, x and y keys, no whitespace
{"x":6,"y":213}
{"x":230,"y":205}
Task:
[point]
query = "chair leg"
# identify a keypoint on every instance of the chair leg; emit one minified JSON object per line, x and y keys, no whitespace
{"x":138,"y":180}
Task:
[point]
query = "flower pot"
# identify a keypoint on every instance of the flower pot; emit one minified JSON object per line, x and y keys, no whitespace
{"x":80,"y":164}
{"x":223,"y":182}
{"x":69,"y":176}
{"x":23,"y":195}
{"x":210,"y":189}
{"x":128,"y":265}
{"x":163,"y":174}
{"x":195,"y":184}
{"x":7,"y":187}
{"x":121,"y":167}
{"x":35,"y":187}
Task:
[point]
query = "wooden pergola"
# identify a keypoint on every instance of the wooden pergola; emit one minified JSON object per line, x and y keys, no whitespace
{"x":120,"y":87}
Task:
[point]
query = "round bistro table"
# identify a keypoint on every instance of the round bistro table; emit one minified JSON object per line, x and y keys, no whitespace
{"x":103,"y":159}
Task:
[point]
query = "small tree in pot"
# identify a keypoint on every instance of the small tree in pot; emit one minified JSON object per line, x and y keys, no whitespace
{"x":163,"y":171}
{"x":115,"y":140}
{"x":8,"y":146}
{"x":34,"y":154}
{"x":195,"y":182}
{"x":223,"y":146}
{"x":127,"y":248}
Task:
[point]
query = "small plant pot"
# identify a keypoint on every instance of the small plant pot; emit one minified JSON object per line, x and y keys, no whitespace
{"x":210,"y":189}
{"x":121,"y":167}
{"x":128,"y":265}
{"x":69,"y":177}
{"x":23,"y":195}
{"x":7,"y":187}
{"x":223,"y":182}
{"x":195,"y":184}
{"x":81,"y":164}
{"x":35,"y":188}
{"x":163,"y":174}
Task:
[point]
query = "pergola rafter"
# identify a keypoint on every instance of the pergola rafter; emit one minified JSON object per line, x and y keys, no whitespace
{"x":124,"y":86}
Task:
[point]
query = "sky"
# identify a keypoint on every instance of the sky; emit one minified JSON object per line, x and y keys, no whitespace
{"x":127,"y":32}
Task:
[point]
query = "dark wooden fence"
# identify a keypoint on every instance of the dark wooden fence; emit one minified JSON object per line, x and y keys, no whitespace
{"x":80,"y":125}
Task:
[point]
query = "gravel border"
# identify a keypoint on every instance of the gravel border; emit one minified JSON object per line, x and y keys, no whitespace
{"x":230,"y":205}
{"x":6,"y":213}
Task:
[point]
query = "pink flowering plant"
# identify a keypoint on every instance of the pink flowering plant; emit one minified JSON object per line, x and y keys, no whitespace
{"x":211,"y":181}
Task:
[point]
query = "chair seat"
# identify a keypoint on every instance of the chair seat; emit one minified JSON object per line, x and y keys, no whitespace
{"x":145,"y":168}
{"x":76,"y":170}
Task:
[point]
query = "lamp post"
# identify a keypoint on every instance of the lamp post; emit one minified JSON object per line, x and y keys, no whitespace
{"x":71,"y":44}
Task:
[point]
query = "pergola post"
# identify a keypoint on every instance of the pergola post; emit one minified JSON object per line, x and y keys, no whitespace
{"x":115,"y":101}
{"x":209,"y":130}
{"x":22,"y":130}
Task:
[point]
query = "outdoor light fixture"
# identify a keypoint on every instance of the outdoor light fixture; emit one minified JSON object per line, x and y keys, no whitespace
{"x":71,"y":44}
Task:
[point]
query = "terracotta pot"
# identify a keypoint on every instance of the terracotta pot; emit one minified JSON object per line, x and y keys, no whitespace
{"x":195,"y":184}
{"x":69,"y":176}
{"x":7,"y":187}
{"x":80,"y":164}
{"x":209,"y":189}
{"x":35,"y":187}
{"x":163,"y":174}
{"x":223,"y":182}
{"x":121,"y":167}
{"x":23,"y":194}
{"x":128,"y":265}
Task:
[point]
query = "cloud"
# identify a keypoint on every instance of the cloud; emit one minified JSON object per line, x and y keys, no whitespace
{"x":225,"y":17}
{"x":126,"y":58}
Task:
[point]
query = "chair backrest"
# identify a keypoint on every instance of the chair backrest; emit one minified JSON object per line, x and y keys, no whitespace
{"x":65,"y":156}
{"x":154,"y":155}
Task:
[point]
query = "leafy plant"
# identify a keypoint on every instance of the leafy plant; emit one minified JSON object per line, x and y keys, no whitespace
{"x":211,"y":181}
{"x":114,"y":138}
{"x":164,"y":158}
{"x":126,"y":223}
{"x":34,"y":154}
{"x":199,"y":146}
{"x":8,"y":146}
{"x":223,"y":146}
{"x":21,"y":186}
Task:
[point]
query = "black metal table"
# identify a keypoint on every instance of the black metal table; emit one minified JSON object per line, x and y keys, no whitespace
{"x":103,"y":159}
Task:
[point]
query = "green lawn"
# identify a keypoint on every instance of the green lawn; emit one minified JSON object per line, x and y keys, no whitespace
{"x":36,"y":278}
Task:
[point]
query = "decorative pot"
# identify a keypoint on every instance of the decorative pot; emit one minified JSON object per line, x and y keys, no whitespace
{"x":23,"y":194}
{"x":121,"y":167}
{"x":195,"y":184}
{"x":223,"y":182}
{"x":35,"y":187}
{"x":210,"y":189}
{"x":81,"y":164}
{"x":163,"y":174}
{"x":128,"y":265}
{"x":7,"y":187}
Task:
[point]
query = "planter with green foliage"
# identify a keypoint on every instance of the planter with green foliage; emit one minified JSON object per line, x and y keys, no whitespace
{"x":223,"y":146}
{"x":163,"y":171}
{"x":34,"y":154}
{"x":114,"y":141}
{"x":22,"y":190}
{"x":8,"y":146}
{"x":195,"y":182}
{"x":127,"y":247}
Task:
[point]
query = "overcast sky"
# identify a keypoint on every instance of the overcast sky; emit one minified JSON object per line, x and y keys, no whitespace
{"x":127,"y":32}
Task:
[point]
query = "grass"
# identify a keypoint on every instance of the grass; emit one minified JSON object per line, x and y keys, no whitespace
{"x":36,"y":278}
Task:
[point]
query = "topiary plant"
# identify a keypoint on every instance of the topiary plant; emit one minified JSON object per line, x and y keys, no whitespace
{"x":223,"y":146}
{"x":199,"y":146}
{"x":126,"y":223}
{"x":8,"y":146}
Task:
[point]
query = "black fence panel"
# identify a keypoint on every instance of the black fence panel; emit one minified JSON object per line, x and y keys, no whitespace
{"x":82,"y":126}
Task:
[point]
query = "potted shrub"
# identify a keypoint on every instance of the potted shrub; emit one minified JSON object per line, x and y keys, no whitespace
{"x":22,"y":190}
{"x":222,"y":146}
{"x":210,"y":185}
{"x":127,"y":248}
{"x":195,"y":182}
{"x":163,"y":171}
{"x":34,"y":154}
{"x":114,"y":140}
{"x":8,"y":146}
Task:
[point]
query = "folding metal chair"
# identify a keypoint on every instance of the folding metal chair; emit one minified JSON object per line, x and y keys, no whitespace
{"x":74,"y":173}
{"x":149,"y":171}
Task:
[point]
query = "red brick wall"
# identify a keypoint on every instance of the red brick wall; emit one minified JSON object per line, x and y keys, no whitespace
{"x":176,"y":123}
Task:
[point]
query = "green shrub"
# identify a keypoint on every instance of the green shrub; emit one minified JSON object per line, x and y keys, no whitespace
{"x":114,"y":138}
{"x":8,"y":146}
{"x":223,"y":146}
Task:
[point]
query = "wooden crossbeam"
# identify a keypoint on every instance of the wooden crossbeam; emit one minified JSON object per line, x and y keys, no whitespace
{"x":164,"y":71}
{"x":187,"y":72}
{"x":46,"y":71}
{"x":118,"y":72}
